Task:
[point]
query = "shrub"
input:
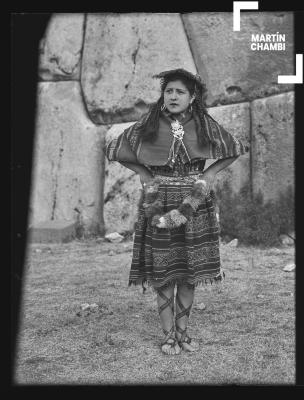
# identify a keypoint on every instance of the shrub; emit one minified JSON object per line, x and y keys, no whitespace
{"x":252,"y":220}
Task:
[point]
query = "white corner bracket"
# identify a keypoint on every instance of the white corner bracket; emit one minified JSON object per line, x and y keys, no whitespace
{"x":242,"y":5}
{"x":298,"y":77}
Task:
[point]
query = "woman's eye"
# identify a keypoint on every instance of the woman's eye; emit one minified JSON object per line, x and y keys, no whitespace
{"x":169,"y":91}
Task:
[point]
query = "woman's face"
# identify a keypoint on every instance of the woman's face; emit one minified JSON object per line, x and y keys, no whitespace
{"x":176,"y":97}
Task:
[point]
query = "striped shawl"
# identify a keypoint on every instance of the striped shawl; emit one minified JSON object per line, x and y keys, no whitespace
{"x":128,"y":146}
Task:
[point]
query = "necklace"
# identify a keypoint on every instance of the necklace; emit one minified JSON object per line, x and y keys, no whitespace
{"x":178,"y":134}
{"x":177,"y":129}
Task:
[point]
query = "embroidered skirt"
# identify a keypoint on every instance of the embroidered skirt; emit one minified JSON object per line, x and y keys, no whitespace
{"x":188,"y":254}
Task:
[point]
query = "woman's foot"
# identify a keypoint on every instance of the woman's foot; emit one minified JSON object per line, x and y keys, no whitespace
{"x":170,"y":346}
{"x":186,"y":343}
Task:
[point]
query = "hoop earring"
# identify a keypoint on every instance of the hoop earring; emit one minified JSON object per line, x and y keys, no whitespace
{"x":163,"y":107}
{"x":190,"y":108}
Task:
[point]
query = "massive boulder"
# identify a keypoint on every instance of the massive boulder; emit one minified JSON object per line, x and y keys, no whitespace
{"x":121,"y":53}
{"x":235,"y":118}
{"x":120,"y":212}
{"x":60,"y":48}
{"x":232,"y":71}
{"x":114,"y":57}
{"x":115,"y":172}
{"x":273,"y":144}
{"x":121,"y":190}
{"x":68,"y":160}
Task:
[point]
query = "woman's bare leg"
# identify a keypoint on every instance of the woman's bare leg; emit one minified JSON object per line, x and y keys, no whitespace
{"x":184,"y":301}
{"x":165,"y":302}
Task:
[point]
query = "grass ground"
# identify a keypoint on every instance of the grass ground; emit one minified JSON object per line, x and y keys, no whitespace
{"x":246,"y":332}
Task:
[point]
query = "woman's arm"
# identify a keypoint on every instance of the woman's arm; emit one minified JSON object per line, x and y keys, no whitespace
{"x":209,"y":174}
{"x":220,"y":164}
{"x":144,"y":174}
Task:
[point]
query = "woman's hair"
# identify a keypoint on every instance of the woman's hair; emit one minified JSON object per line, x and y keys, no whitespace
{"x":189,"y":83}
{"x":150,"y":128}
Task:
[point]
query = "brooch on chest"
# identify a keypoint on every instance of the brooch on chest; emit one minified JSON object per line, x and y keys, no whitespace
{"x":177,"y":130}
{"x":178,"y":134}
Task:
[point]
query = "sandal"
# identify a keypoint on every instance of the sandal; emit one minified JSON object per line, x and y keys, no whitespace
{"x":172,"y":342}
{"x":185,"y":342}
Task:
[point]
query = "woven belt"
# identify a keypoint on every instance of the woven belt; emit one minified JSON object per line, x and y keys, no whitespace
{"x":179,"y":180}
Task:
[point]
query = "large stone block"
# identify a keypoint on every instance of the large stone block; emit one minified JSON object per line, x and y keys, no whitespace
{"x":273,"y":144}
{"x":115,"y":173}
{"x":235,"y":118}
{"x":52,"y":232}
{"x":121,"y":53}
{"x":121,"y":190}
{"x":68,"y":159}
{"x":60,"y":48}
{"x":232,"y":71}
{"x":120,"y":211}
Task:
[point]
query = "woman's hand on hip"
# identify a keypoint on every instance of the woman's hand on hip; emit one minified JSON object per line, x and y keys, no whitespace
{"x":145,"y":178}
{"x":209,"y":178}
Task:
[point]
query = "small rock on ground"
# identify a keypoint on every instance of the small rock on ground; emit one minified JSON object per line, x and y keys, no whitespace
{"x":200,"y":306}
{"x":286,"y":240}
{"x":289,"y":267}
{"x":233,"y":243}
{"x":114,"y":237}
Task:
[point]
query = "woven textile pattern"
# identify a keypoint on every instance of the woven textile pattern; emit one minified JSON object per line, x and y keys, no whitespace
{"x":188,"y":254}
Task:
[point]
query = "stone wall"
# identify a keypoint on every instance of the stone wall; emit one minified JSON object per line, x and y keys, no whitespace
{"x":272,"y":157}
{"x":69,"y":159}
{"x":95,"y":79}
{"x":231,"y":70}
{"x":121,"y":53}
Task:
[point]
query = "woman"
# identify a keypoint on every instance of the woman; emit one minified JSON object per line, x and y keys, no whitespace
{"x":176,"y":242}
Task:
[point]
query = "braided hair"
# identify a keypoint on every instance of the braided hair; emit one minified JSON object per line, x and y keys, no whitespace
{"x":150,"y":128}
